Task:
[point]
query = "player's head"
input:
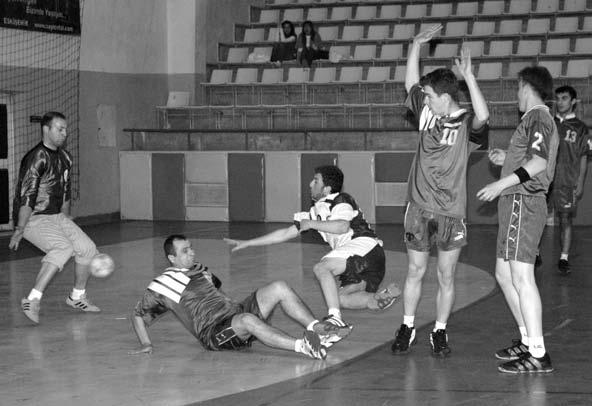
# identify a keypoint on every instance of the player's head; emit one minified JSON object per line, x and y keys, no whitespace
{"x":53,"y":128}
{"x":566,"y":99}
{"x":441,"y":89}
{"x":178,"y":250}
{"x":534,"y":81}
{"x":327,"y":179}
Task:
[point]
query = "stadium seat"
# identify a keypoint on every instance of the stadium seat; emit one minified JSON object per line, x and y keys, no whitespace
{"x":282,"y":1}
{"x":265,"y":51}
{"x":269,"y":16}
{"x":516,"y":66}
{"x":456,"y":28}
{"x":254,"y":35}
{"x":343,"y":50}
{"x":364,"y":52}
{"x":441,"y":10}
{"x":500,"y":48}
{"x":298,"y":75}
{"x":528,"y":47}
{"x":415,"y":10}
{"x":378,"y":32}
{"x":399,"y":73}
{"x":483,"y":28}
{"x":237,"y":55}
{"x":467,"y":8}
{"x":520,"y":6}
{"x":583,"y":45}
{"x":329,"y":32}
{"x":324,"y":75}
{"x":476,"y":47}
{"x":489,"y":70}
{"x":404,"y":31}
{"x":579,"y":68}
{"x":446,"y":50}
{"x":317,"y":14}
{"x":538,"y":26}
{"x":378,"y":74}
{"x":557,"y":46}
{"x":574,"y":5}
{"x":587,"y":26}
{"x":547,"y":6}
{"x":295,"y":15}
{"x":304,"y":1}
{"x":246,"y":75}
{"x":366,"y":12}
{"x":391,"y":51}
{"x":493,"y":7}
{"x":566,"y":24}
{"x":352,"y":33}
{"x":390,"y":11}
{"x":510,"y":27}
{"x":554,"y":67}
{"x":341,"y":13}
{"x":273,"y":34}
{"x":351,"y":74}
{"x":271,"y":76}
{"x":221,"y":76}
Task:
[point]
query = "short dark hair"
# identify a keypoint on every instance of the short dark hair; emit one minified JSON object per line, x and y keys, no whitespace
{"x":49,"y":116}
{"x":539,"y":79}
{"x":442,"y":80}
{"x":567,"y":89}
{"x":332,"y":176}
{"x":169,"y":244}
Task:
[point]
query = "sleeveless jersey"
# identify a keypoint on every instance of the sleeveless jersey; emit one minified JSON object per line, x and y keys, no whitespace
{"x":574,"y":142}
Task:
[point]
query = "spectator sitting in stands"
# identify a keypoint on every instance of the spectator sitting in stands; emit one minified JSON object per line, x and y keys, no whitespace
{"x":285,"y":48}
{"x":309,"y":45}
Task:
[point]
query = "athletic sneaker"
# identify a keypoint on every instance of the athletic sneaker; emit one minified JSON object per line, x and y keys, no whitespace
{"x":515,"y":351}
{"x":336,"y":321}
{"x":31,"y":309}
{"x":387,"y":297}
{"x":330,"y":333}
{"x":439,"y":342}
{"x":313,"y":346}
{"x":564,"y":267}
{"x":404,"y":338}
{"x":527,"y":364}
{"x":82,"y":304}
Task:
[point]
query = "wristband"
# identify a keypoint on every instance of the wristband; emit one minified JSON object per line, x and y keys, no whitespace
{"x":522,"y":174}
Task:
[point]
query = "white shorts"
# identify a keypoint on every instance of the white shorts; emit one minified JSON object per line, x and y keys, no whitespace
{"x":358,"y":246}
{"x":60,"y":238}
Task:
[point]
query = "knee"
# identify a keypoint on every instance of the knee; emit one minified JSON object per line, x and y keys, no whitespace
{"x":415,"y":271}
{"x":244,"y":321}
{"x":87,"y":251}
{"x":446,"y":277}
{"x":321,"y":270}
{"x":280,"y":287}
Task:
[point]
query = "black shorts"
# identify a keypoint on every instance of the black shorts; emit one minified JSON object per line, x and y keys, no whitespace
{"x":564,"y":199}
{"x":224,"y":337}
{"x":369,"y":268}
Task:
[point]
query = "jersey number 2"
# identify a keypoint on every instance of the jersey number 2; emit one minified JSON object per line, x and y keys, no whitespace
{"x":537,"y":143}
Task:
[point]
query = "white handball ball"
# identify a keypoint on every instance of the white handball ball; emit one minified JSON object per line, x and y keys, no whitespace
{"x":101,"y":266}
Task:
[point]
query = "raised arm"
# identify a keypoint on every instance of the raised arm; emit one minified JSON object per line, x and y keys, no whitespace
{"x":477,"y":100}
{"x":275,"y":237}
{"x":412,"y":72}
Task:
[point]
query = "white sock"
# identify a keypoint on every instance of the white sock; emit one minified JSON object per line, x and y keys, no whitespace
{"x":409,"y":321}
{"x":536,"y":346}
{"x":523,"y":335}
{"x":35,"y":295}
{"x":563,"y":256}
{"x":335,"y":312}
{"x":299,"y":345}
{"x":312,"y":323}
{"x":439,"y":326}
{"x":77,"y":293}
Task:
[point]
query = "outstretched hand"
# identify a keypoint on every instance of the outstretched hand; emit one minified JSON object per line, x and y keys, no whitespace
{"x":464,"y":63}
{"x":236,"y":244}
{"x":427,"y":34}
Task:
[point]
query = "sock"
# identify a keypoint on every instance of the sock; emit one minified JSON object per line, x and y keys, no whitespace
{"x":563,"y":256}
{"x":35,"y":295}
{"x":312,"y":323}
{"x":523,"y":335}
{"x":335,"y":312}
{"x":299,"y":345}
{"x":409,"y":321}
{"x":439,"y":326}
{"x":536,"y":346}
{"x":77,"y":293}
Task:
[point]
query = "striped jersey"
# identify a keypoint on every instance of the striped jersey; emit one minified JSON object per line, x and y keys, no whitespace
{"x":535,"y":135}
{"x":192,"y":295}
{"x":338,"y":206}
{"x":438,"y":177}
{"x":574,"y":142}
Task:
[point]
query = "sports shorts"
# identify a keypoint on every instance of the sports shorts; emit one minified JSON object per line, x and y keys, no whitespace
{"x":521,"y":220}
{"x":564,"y":199}
{"x":424,"y":228}
{"x":224,"y":337}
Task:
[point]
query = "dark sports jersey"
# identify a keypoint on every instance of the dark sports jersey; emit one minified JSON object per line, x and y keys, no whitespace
{"x":438,"y":176}
{"x":193,"y":297}
{"x":43,"y":182}
{"x":535,"y":135}
{"x":338,"y":206}
{"x":574,"y":142}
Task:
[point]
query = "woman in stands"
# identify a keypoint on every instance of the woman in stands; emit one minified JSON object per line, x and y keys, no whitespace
{"x":309,"y":45}
{"x":285,"y":48}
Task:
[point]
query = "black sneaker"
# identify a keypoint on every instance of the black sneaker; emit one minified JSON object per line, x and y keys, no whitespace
{"x":527,"y":364}
{"x":564,"y":267}
{"x":515,"y":351}
{"x":439,"y":341}
{"x":404,"y":338}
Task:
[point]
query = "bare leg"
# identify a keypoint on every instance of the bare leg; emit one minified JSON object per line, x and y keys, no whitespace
{"x":565,"y":221}
{"x":278,"y":292}
{"x":82,"y":275}
{"x":247,"y":324}
{"x":46,"y":274}
{"x":530,"y":300}
{"x":503,"y":275}
{"x":418,"y":263}
{"x":325,"y":271}
{"x":447,"y":261}
{"x":355,"y":296}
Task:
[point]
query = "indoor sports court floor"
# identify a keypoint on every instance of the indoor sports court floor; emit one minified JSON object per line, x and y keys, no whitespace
{"x":75,"y":358}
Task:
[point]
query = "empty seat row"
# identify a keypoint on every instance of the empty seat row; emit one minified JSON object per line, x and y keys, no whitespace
{"x":392,"y":11}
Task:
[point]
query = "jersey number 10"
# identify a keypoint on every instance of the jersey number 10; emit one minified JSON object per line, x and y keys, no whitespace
{"x":449,"y":136}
